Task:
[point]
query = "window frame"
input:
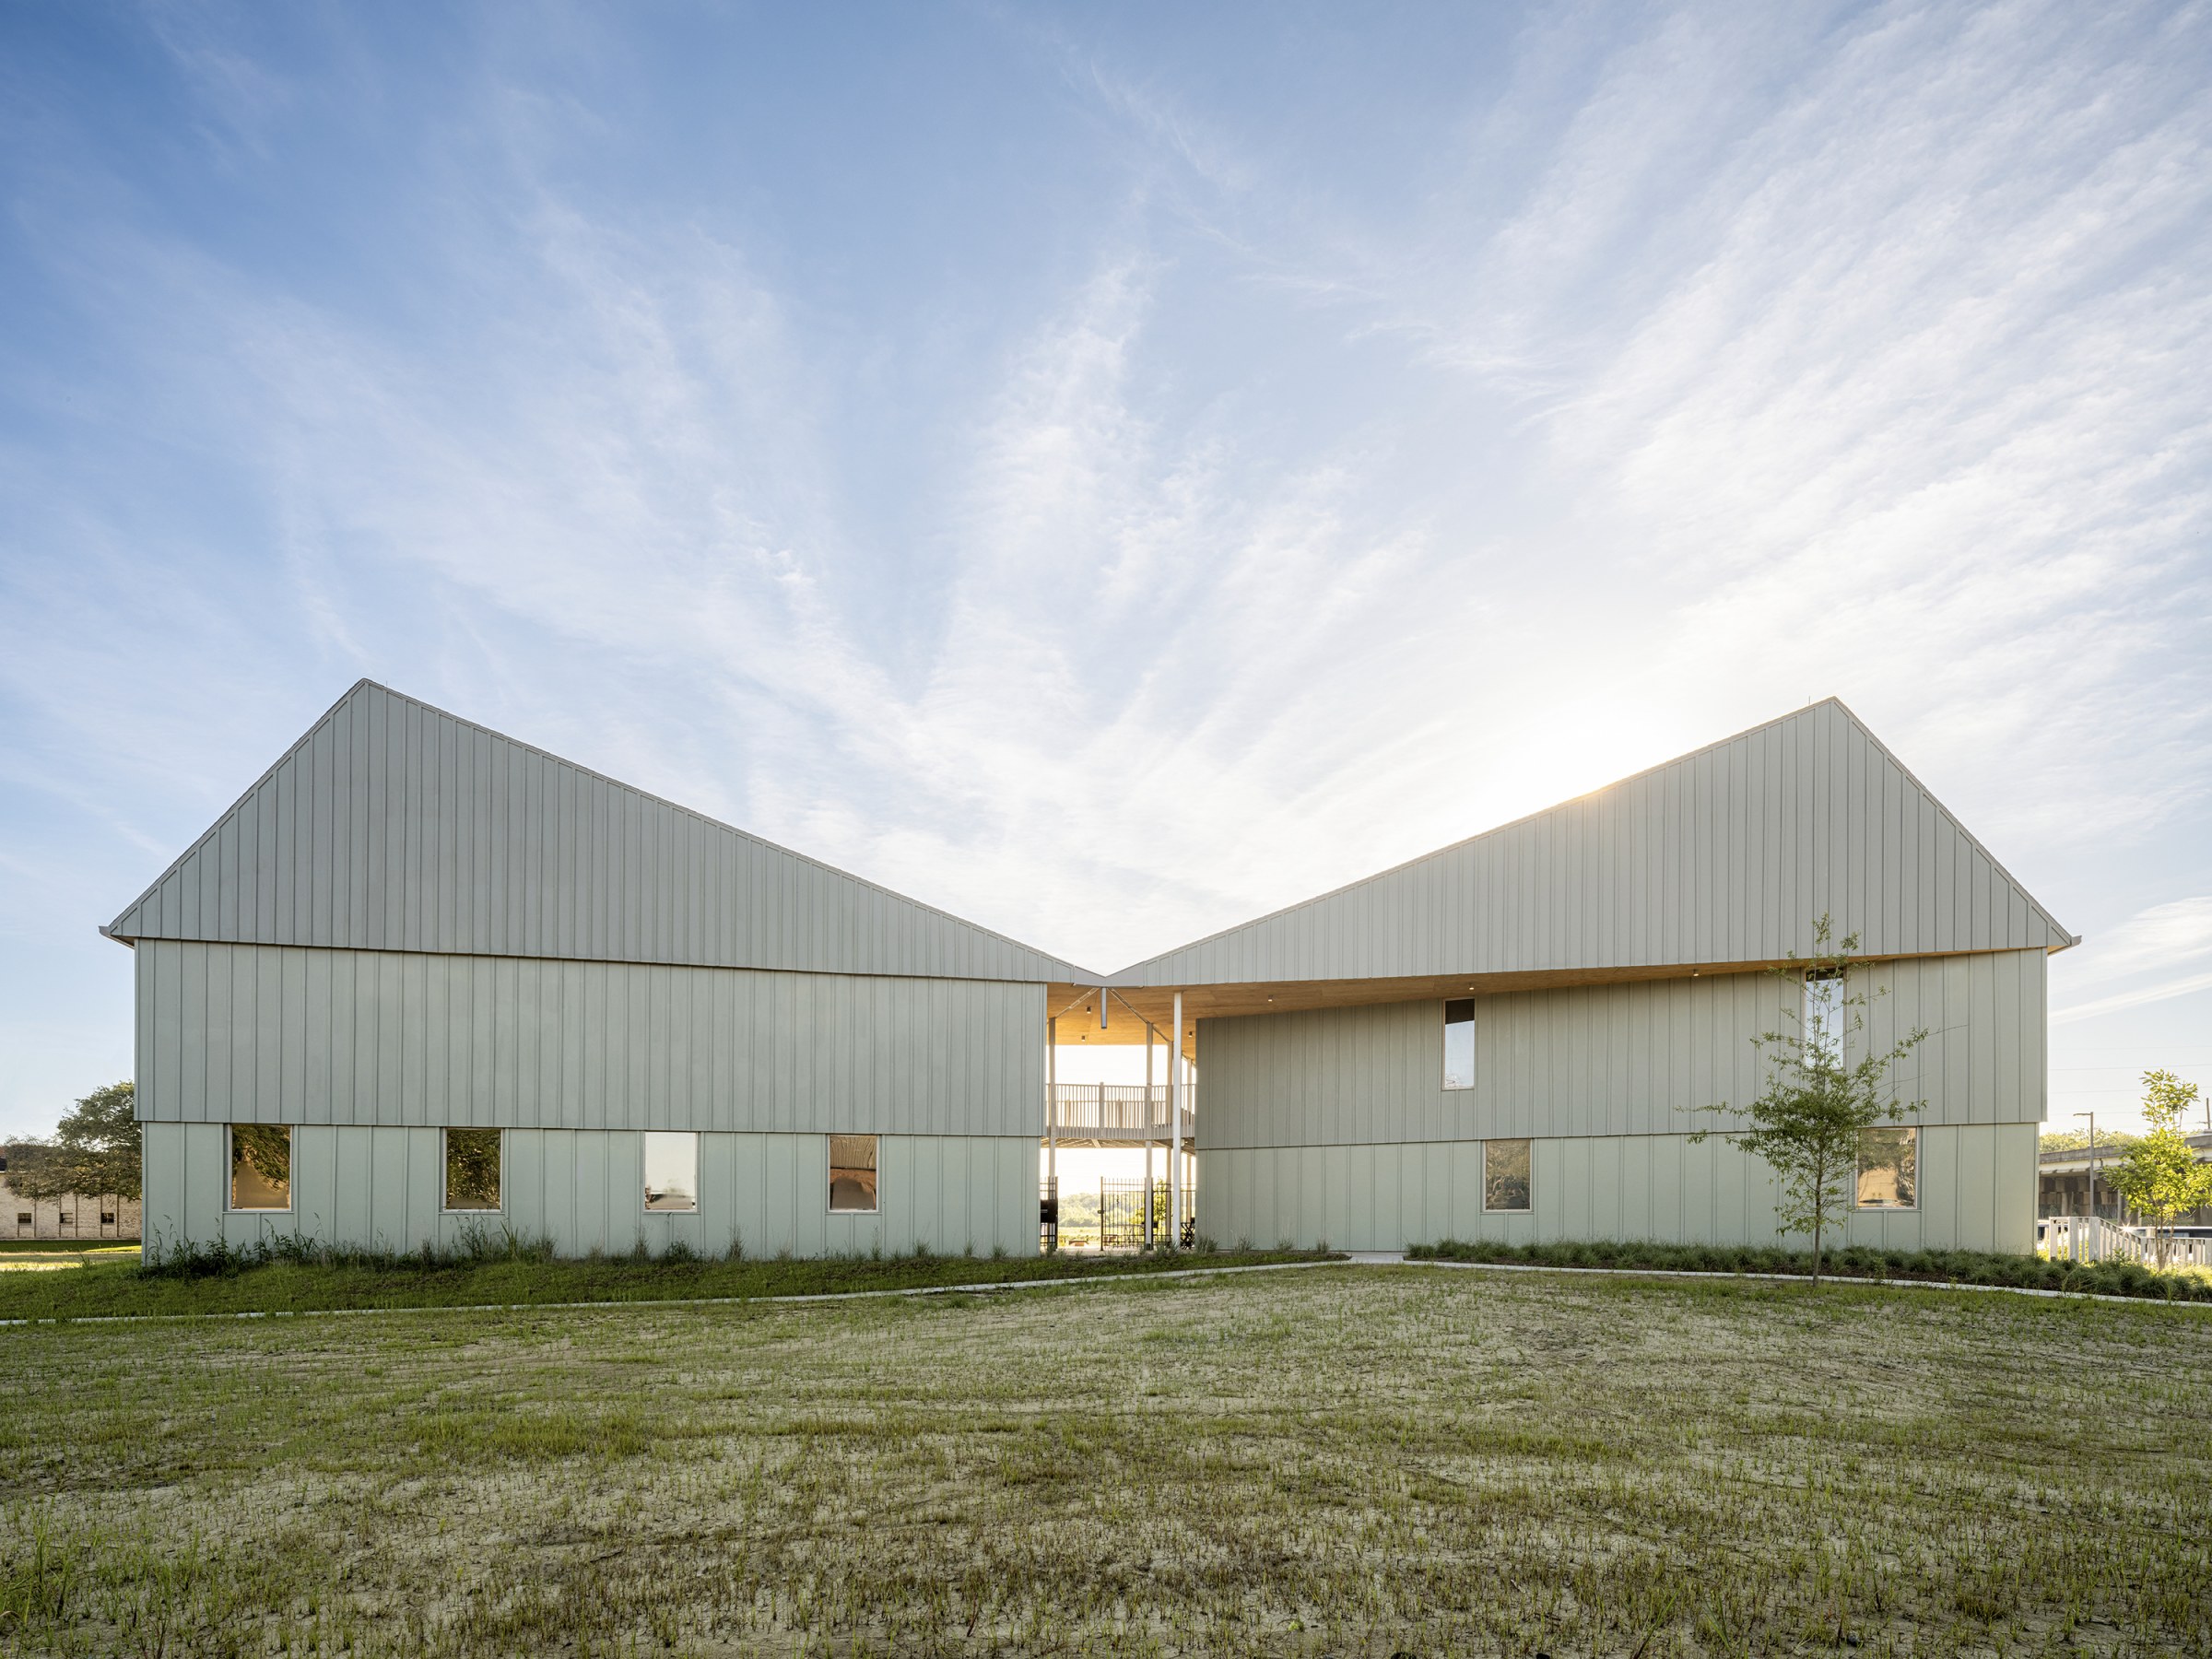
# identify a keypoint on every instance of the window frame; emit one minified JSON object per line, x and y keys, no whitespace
{"x":644,"y":1190}
{"x":1858,"y":1171}
{"x":830,"y":1166}
{"x":1529,"y":1141}
{"x":291,"y":1162}
{"x":445,"y":1174}
{"x":1444,"y":1071}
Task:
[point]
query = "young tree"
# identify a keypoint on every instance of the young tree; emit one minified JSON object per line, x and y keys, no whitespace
{"x":2160,"y":1178}
{"x":95,"y":1152}
{"x":1818,"y":1102}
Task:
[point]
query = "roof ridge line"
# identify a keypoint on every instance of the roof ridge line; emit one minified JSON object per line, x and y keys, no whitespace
{"x":251,"y":790}
{"x":1077,"y":974}
{"x":1121,"y":976}
{"x":1468,"y":841}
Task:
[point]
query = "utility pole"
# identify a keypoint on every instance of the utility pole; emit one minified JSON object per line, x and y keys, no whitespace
{"x":2093,"y":1117}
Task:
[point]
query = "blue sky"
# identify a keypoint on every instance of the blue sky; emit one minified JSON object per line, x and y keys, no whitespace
{"x":1113,"y":471}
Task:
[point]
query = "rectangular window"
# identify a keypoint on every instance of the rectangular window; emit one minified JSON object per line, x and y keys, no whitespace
{"x":1505,"y":1175}
{"x":261,"y":1167}
{"x":671,"y":1171}
{"x":852,"y":1172}
{"x":1890,"y":1169}
{"x":1824,"y":1014}
{"x":24,"y":1218}
{"x":1459,"y":1043}
{"x":472,"y":1169}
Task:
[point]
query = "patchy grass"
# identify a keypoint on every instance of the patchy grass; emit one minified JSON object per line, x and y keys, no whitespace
{"x":1340,"y":1460}
{"x":310,"y":1281}
{"x":1926,"y":1267}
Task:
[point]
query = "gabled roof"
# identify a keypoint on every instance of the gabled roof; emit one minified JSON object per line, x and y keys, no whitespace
{"x":393,"y":825}
{"x":1727,"y":855}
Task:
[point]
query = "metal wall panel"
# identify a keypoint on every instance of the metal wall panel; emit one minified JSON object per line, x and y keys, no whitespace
{"x":394,"y":826}
{"x":1725,"y":855}
{"x":1608,"y":1060}
{"x":257,"y":1033}
{"x":1977,"y":1193}
{"x":382,"y":1188}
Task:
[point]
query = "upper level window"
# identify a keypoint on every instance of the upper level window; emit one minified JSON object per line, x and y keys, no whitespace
{"x":472,"y":1169}
{"x":671,"y":1169}
{"x":261,"y":1167}
{"x":1459,"y":1043}
{"x":1890,"y":1169}
{"x":1824,"y":1014}
{"x":852,"y":1172}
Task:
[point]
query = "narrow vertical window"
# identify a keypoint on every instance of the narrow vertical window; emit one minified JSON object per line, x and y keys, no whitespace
{"x":852,"y":1172}
{"x":1890,"y":1169}
{"x":671,"y":1169}
{"x":1505,"y":1175}
{"x":1824,"y":1014}
{"x":261,"y":1167}
{"x":472,"y":1169}
{"x":1459,"y":1043}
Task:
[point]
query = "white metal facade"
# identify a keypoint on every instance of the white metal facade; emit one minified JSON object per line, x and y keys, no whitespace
{"x":1332,"y":1123}
{"x":411,"y":925}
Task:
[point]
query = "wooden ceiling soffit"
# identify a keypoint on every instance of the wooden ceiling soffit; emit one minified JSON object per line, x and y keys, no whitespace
{"x":1129,"y":1006}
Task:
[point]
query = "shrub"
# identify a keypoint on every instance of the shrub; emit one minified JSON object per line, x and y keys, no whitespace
{"x":1951,"y":1266}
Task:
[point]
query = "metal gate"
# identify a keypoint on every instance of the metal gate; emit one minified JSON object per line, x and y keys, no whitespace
{"x":1122,"y":1215}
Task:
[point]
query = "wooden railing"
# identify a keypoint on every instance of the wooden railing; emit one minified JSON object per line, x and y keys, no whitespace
{"x":1117,"y":1112}
{"x":2093,"y":1238}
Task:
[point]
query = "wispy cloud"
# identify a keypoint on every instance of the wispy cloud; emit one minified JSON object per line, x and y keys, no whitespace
{"x":1208,"y":494}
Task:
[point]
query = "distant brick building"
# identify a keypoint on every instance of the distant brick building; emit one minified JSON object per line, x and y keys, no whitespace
{"x":72,"y":1218}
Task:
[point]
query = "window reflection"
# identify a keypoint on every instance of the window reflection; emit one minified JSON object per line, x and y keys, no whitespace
{"x":1890,"y":1169}
{"x":852,"y":1172}
{"x":472,"y":1169}
{"x":1824,"y":1014}
{"x":671,"y":1171}
{"x":1459,"y":1043}
{"x":1505,"y":1175}
{"x":261,"y":1167}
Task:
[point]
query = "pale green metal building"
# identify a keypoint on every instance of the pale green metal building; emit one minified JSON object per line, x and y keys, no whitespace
{"x":423,"y":979}
{"x":1602,"y":966}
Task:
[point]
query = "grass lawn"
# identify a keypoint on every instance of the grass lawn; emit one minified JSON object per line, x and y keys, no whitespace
{"x":1340,"y":1460}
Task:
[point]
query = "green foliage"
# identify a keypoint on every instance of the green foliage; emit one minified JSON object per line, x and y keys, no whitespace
{"x":472,"y":1169}
{"x":2077,"y":1140}
{"x":1817,"y":1101}
{"x":1861,"y":1262}
{"x":94,"y":1152}
{"x":2161,"y":1179}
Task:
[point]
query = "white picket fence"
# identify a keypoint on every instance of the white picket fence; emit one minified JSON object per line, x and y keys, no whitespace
{"x":2093,"y":1238}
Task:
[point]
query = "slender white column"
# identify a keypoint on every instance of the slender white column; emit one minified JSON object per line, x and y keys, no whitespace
{"x":1051,"y":1110}
{"x":1175,"y":1128}
{"x":1147,"y":1234}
